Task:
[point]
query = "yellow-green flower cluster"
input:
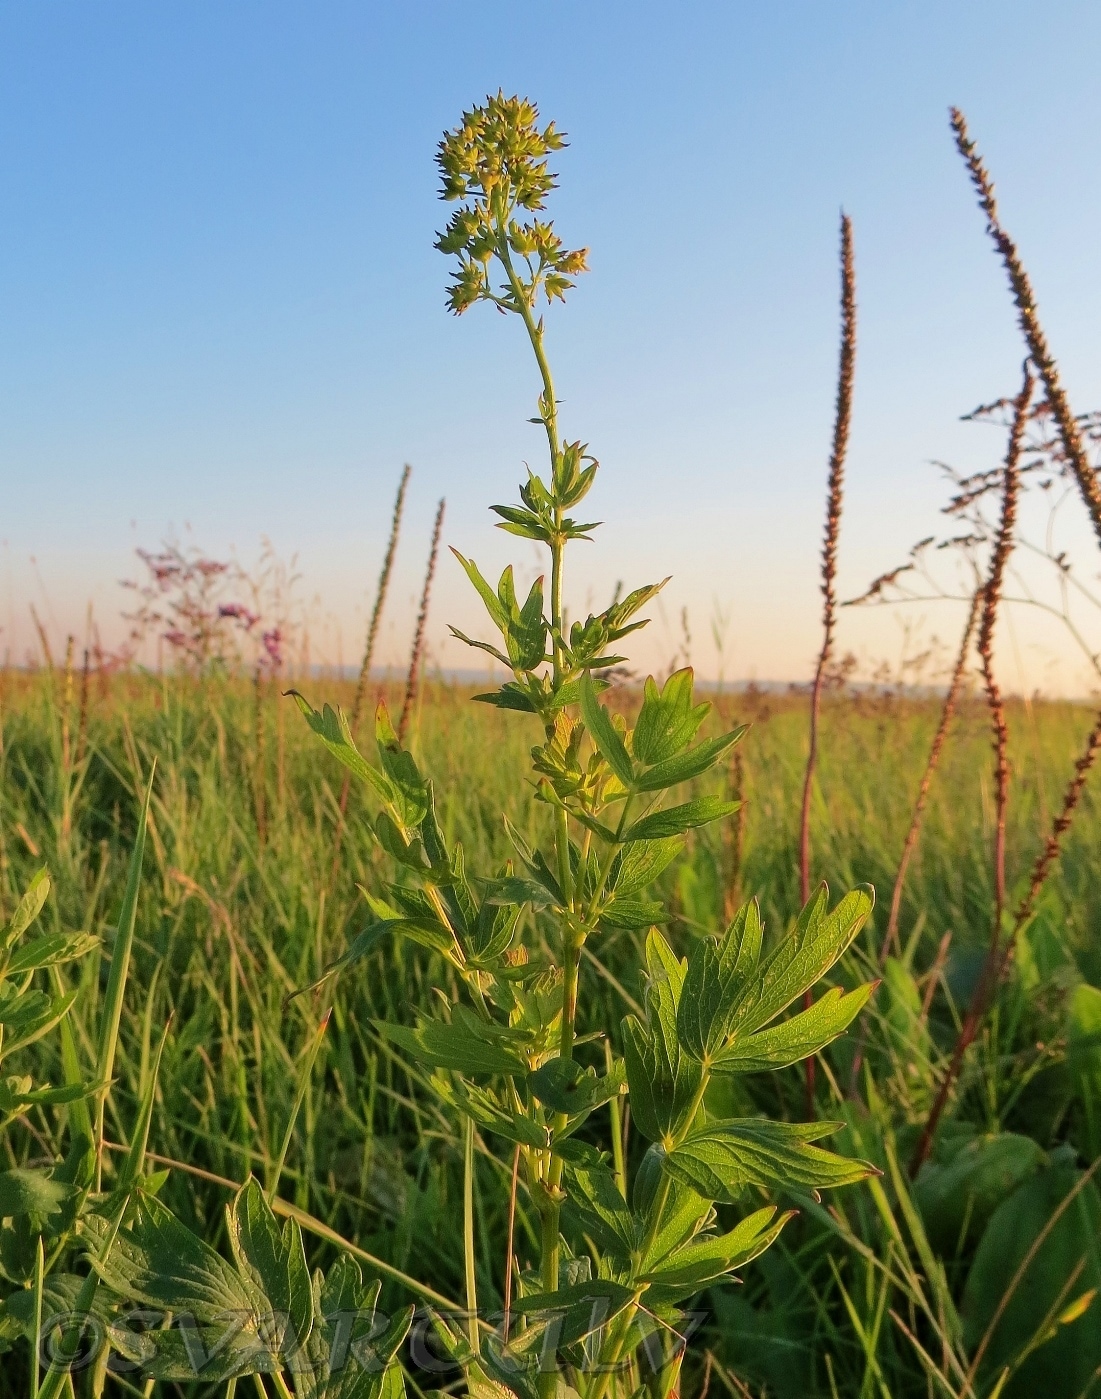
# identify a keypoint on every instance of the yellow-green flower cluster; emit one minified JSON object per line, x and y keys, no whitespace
{"x":496,"y":161}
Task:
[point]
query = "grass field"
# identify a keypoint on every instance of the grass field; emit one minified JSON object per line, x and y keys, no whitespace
{"x":987,"y":1262}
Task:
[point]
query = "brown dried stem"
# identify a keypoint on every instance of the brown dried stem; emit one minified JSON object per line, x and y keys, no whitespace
{"x":417,"y":654}
{"x":1021,"y":287}
{"x":991,"y":597}
{"x":380,"y":599}
{"x":1052,"y":846}
{"x":82,"y":721}
{"x":368,"y":655}
{"x":835,"y":488}
{"x":260,"y":759}
{"x":834,"y":494}
{"x":948,"y":710}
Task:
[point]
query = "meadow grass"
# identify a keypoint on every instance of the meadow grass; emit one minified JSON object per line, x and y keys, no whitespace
{"x":236,"y":913}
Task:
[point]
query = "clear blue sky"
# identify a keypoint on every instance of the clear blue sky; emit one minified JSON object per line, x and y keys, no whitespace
{"x":220,"y":305}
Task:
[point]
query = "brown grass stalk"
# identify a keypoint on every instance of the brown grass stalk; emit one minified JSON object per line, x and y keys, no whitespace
{"x":369,"y":654}
{"x":834,"y":495}
{"x":380,"y":601}
{"x":909,"y":845}
{"x":416,"y":656}
{"x":43,"y":639}
{"x":734,"y":833}
{"x":1047,"y":857}
{"x":1088,"y":485}
{"x":66,"y":706}
{"x":947,"y":713}
{"x":259,"y":773}
{"x":82,"y":718}
{"x":991,"y":598}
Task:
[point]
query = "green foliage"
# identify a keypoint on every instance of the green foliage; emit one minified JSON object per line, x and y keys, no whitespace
{"x":660,"y":1154}
{"x":261,"y":1314}
{"x":1031,"y":1291}
{"x":511,"y":1060}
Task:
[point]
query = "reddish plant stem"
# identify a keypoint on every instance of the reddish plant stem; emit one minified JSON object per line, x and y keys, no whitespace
{"x":947,"y":713}
{"x":413,"y":679}
{"x":991,"y":597}
{"x":834,"y":495}
{"x":260,"y":760}
{"x":948,"y":709}
{"x":1052,"y":846}
{"x":1069,"y":433}
{"x":82,"y":721}
{"x":1042,"y":868}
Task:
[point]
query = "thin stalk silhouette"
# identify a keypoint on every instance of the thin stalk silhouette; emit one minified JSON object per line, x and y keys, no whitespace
{"x":834,"y":496}
{"x":991,"y":597}
{"x":1021,"y":286}
{"x":368,"y":655}
{"x":417,"y":654}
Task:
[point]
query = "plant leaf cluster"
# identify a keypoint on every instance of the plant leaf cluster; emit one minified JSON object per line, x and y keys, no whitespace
{"x":617,"y":1258}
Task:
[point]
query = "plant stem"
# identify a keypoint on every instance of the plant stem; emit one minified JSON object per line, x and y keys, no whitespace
{"x":468,"y":1234}
{"x":994,"y":961}
{"x":842,"y":421}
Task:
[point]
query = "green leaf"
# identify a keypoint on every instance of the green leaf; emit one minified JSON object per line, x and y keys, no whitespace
{"x":161,"y":1262}
{"x":409,"y":853}
{"x":351,"y":1350}
{"x":454,"y":1046}
{"x":526,"y":637}
{"x":802,"y":958}
{"x":524,"y":523}
{"x":569,"y":692}
{"x":511,"y":1370}
{"x":27,"y":1017}
{"x":663,"y":1080}
{"x":580,"y":1308}
{"x":273,"y":1260}
{"x":493,"y":651}
{"x":667,"y":722}
{"x":1026,"y":1235}
{"x":638,"y":864}
{"x":719,"y":1160}
{"x":30,"y":1192}
{"x":514,"y":890}
{"x":564,"y":1086}
{"x":331,"y":727}
{"x":685,"y":766}
{"x":1083,"y":1028}
{"x":795,"y":1039}
{"x":718,"y":973}
{"x":603,"y":733}
{"x":27,"y":910}
{"x":485,"y":592}
{"x":427,"y":934}
{"x":957,"y":1196}
{"x":490,"y":1112}
{"x":50,"y":950}
{"x":600,"y":1209}
{"x":705,"y":1260}
{"x":621,"y":912}
{"x":410,"y":788}
{"x":510,"y":696}
{"x":675,"y":820}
